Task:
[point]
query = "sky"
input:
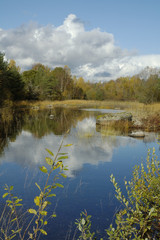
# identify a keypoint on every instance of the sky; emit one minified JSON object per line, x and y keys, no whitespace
{"x":99,"y":40}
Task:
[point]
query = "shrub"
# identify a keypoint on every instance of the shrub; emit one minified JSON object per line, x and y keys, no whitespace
{"x":140,"y":216}
{"x":12,"y":220}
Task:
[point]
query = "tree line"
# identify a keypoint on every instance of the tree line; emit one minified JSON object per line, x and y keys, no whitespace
{"x":43,"y":83}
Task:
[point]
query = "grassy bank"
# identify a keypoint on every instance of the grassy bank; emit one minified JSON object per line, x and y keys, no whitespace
{"x":87,"y":103}
{"x":148,"y":115}
{"x":136,"y":108}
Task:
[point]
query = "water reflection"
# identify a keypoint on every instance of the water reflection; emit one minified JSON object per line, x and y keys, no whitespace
{"x":38,"y":123}
{"x":86,"y":127}
{"x":94,"y":155}
{"x":10,"y":126}
{"x":89,"y":147}
{"x":26,"y":134}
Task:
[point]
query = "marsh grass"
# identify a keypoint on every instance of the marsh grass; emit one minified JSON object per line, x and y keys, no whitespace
{"x":132,"y":106}
{"x":140,"y":111}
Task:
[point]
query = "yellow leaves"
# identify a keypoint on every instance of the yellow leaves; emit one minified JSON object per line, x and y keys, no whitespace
{"x":5,"y":195}
{"x":58,"y":164}
{"x":38,"y":186}
{"x":37,"y":201}
{"x":52,"y":195}
{"x":68,"y":145}
{"x":43,"y":169}
{"x":63,"y":157}
{"x":44,"y":205}
{"x":50,"y":152}
{"x":49,"y":161}
{"x":43,"y":213}
{"x":59,"y":185}
{"x":43,"y":232}
{"x":63,"y":175}
{"x":33,"y":211}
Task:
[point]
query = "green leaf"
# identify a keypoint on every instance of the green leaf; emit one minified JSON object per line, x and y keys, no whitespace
{"x":52,"y":195}
{"x":59,"y":185}
{"x":51,"y":153}
{"x":12,"y":236}
{"x":38,"y":186}
{"x":63,"y":175}
{"x":65,"y":169}
{"x":14,"y":219}
{"x":5,"y":195}
{"x":43,"y":232}
{"x":32,"y":211}
{"x":43,"y":169}
{"x":45,"y":222}
{"x":11,"y":188}
{"x":62,"y":153}
{"x":63,"y":157}
{"x":49,"y":161}
{"x":68,"y":145}
{"x":54,"y":215}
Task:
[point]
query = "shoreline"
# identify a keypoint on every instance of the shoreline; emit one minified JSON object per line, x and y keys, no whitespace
{"x":145,"y":117}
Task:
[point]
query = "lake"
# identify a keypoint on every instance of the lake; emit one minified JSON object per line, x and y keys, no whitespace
{"x":94,"y":155}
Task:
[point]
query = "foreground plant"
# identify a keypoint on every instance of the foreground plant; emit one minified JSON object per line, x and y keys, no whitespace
{"x":12,"y":225}
{"x":140,"y":216}
{"x":84,"y":225}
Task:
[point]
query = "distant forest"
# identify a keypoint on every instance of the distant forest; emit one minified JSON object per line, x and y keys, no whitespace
{"x":44,"y":83}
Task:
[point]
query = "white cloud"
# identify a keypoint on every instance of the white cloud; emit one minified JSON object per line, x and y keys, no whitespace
{"x":91,"y":54}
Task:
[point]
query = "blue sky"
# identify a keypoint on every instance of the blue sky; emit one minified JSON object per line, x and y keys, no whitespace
{"x":127,"y":31}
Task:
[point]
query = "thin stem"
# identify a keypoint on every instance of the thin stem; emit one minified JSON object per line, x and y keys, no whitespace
{"x":44,"y":190}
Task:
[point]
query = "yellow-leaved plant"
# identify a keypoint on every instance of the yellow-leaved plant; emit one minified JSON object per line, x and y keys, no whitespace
{"x":12,"y":220}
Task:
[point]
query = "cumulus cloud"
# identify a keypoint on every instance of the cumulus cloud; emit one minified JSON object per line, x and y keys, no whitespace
{"x":92,"y":54}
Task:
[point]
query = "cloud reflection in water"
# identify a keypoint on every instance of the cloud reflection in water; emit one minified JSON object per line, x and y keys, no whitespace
{"x":89,"y":147}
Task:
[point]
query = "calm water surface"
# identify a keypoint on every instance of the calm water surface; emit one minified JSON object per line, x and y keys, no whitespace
{"x":93,"y":157}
